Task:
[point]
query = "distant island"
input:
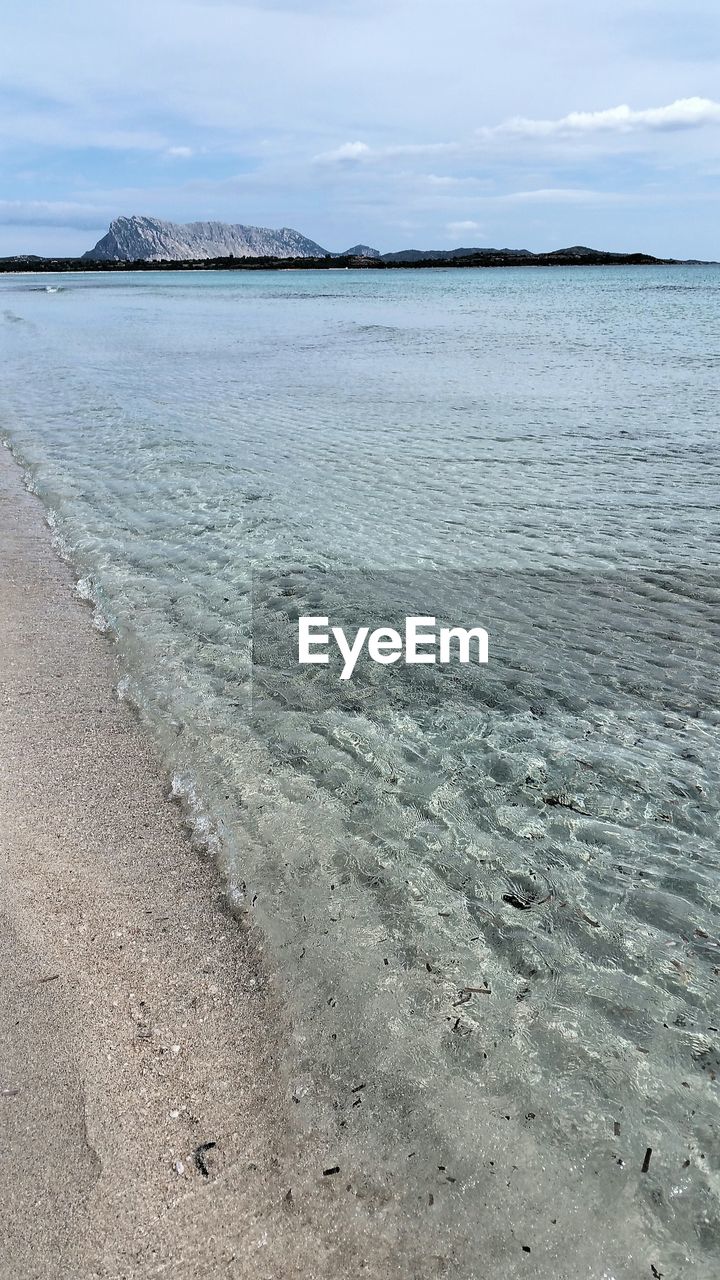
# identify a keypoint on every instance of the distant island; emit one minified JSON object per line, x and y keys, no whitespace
{"x":141,"y":243}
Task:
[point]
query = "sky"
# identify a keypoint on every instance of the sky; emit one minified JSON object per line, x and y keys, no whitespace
{"x":393,"y":123}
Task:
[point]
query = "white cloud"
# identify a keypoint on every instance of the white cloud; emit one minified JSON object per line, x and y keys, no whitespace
{"x":421,"y":149}
{"x":179,"y":153}
{"x":361,"y":151}
{"x":459,"y":228}
{"x":348,"y":151}
{"x":445,"y":180}
{"x":560,"y":195}
{"x":685,"y":113}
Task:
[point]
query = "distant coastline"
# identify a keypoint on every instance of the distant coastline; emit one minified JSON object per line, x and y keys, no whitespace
{"x":143,"y":243}
{"x":27,"y":264}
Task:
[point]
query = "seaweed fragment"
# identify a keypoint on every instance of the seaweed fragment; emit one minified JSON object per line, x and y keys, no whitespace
{"x":199,"y":1157}
{"x":524,"y":904}
{"x":561,"y":801}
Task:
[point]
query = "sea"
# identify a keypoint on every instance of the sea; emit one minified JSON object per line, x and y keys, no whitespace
{"x":487,"y":892}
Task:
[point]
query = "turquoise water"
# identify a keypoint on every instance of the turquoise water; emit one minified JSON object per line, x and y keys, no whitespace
{"x":532,"y":450}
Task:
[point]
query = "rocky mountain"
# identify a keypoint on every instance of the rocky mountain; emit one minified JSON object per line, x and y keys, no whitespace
{"x":152,"y":240}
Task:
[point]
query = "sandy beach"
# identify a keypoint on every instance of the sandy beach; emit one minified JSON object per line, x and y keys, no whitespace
{"x":134,"y":1019}
{"x":144,"y":1122}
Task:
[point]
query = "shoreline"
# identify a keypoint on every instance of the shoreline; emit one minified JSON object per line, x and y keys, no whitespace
{"x":71,"y":266}
{"x":145,"y":1099}
{"x":136,"y":1023}
{"x":135,"y":1014}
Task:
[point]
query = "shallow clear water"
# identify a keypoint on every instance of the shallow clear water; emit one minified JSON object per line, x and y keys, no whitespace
{"x":530,"y":450}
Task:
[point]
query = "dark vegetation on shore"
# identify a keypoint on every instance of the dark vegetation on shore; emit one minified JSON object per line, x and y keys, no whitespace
{"x":576,"y":257}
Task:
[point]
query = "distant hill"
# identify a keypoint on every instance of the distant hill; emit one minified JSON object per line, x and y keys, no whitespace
{"x":439,"y":255}
{"x":360,"y":251}
{"x":23,"y":259}
{"x":142,"y":239}
{"x":576,"y":253}
{"x":576,"y":256}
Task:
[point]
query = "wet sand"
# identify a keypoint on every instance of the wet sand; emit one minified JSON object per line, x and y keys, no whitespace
{"x":134,"y":1016}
